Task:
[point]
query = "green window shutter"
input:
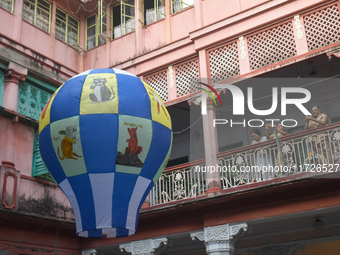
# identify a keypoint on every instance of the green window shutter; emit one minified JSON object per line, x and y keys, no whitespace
{"x":38,"y":168}
{"x":2,"y":86}
{"x":31,"y":100}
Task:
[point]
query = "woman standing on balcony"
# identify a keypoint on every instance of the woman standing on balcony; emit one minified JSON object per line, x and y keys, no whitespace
{"x":321,"y":152}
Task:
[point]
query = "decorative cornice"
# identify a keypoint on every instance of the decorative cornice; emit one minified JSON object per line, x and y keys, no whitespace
{"x":220,"y":233}
{"x":144,"y":247}
{"x":12,"y":76}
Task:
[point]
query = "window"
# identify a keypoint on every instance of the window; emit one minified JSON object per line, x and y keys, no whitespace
{"x":38,"y":167}
{"x":123,"y":18}
{"x":32,"y":98}
{"x":7,"y":4}
{"x":38,"y":13}
{"x":178,"y":5}
{"x":94,"y":38}
{"x":154,"y":10}
{"x":67,"y":28}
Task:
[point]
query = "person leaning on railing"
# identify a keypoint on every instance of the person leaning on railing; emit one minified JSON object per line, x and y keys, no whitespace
{"x":321,"y":143}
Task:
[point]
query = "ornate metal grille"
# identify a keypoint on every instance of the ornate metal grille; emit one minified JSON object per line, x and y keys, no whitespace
{"x":159,"y":83}
{"x":322,"y":27}
{"x":187,"y":75}
{"x":224,"y":62}
{"x":271,"y":46}
{"x":31,"y":100}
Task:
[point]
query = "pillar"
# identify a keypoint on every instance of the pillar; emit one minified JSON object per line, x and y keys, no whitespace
{"x":13,"y":76}
{"x":211,"y":148}
{"x":89,"y":252}
{"x":145,"y":247}
{"x":220,"y":240}
{"x":209,"y":132}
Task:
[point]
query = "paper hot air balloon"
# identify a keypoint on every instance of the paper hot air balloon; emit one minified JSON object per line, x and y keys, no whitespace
{"x":105,"y":137}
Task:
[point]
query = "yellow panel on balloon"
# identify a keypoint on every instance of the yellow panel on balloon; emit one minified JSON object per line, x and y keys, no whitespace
{"x":159,"y":112}
{"x":100,"y":94}
{"x":45,"y":114}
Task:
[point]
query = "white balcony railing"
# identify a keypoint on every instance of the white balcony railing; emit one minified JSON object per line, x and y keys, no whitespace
{"x":178,"y":184}
{"x":316,"y":151}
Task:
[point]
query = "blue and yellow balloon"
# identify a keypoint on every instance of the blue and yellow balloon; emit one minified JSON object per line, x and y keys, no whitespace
{"x":105,"y":137}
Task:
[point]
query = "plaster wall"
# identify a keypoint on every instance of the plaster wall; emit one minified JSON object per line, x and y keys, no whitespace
{"x":182,"y":24}
{"x":122,"y":49}
{"x":37,"y":199}
{"x":16,"y":144}
{"x":8,"y":19}
{"x":67,"y":55}
{"x":154,"y":35}
{"x":220,"y":9}
{"x":34,"y":38}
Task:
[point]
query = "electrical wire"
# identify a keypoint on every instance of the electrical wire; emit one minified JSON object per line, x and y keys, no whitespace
{"x":178,"y":132}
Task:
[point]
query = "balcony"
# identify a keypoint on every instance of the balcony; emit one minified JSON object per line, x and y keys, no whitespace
{"x":313,"y":153}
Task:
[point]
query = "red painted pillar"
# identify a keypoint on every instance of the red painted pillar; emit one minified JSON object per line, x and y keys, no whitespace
{"x":14,"y":74}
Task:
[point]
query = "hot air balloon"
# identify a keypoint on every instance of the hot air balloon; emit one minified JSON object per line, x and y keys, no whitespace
{"x":105,"y":137}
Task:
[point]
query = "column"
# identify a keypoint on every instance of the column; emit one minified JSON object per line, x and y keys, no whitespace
{"x":145,"y":247}
{"x":17,"y":20}
{"x":89,"y":252}
{"x":52,"y":29}
{"x":220,"y":240}
{"x":139,"y":23}
{"x":211,"y":148}
{"x":209,"y":132}
{"x":300,"y":35}
{"x":13,"y":76}
{"x":168,"y":21}
{"x":199,"y":18}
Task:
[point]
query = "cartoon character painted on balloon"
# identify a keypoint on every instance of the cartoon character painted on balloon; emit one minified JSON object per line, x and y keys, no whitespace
{"x":101,"y":93}
{"x":130,"y":156}
{"x":67,"y":144}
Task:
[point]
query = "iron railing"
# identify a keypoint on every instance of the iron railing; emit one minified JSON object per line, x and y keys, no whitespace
{"x":313,"y":151}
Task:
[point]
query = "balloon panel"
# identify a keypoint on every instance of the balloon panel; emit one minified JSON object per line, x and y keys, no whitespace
{"x":105,"y":137}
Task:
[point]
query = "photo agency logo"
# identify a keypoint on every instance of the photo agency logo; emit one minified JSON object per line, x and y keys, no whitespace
{"x":240,"y":100}
{"x":238,"y":117}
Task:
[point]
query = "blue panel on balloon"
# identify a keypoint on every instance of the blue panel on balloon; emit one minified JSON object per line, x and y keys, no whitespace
{"x":123,"y":186}
{"x":82,"y":190}
{"x":50,"y":159}
{"x":133,"y":97}
{"x":103,"y":70}
{"x":67,"y":100}
{"x":159,"y":147}
{"x":98,"y":132}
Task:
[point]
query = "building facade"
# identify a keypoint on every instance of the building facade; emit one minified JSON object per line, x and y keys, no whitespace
{"x":173,"y":45}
